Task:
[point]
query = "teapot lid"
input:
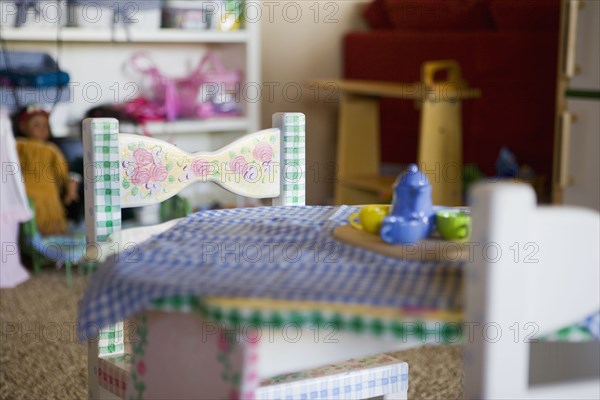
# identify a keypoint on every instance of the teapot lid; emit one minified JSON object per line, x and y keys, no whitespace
{"x":412,"y":178}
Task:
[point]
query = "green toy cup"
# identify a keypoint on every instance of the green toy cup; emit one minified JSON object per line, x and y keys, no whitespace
{"x":453,"y":224}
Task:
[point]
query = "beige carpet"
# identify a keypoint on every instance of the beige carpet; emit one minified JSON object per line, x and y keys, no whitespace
{"x":41,"y":359}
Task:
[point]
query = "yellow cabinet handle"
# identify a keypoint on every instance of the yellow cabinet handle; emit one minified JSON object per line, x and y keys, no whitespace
{"x":564,"y":179}
{"x":573,"y":15}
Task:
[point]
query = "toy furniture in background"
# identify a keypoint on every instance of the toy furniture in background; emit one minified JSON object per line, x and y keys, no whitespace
{"x":61,"y":250}
{"x":359,"y":179}
{"x":197,"y":315}
{"x":70,"y":250}
{"x":506,"y":48}
{"x":577,"y":138}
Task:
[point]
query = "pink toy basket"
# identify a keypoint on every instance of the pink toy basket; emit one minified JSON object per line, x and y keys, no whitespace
{"x":178,"y":97}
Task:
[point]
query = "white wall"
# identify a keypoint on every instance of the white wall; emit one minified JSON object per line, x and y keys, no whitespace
{"x":297,"y":47}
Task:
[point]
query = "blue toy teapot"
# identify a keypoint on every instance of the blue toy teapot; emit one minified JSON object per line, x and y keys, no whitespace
{"x":411,"y":218}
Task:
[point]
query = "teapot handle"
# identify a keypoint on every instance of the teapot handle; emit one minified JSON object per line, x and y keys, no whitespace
{"x":385,"y":233}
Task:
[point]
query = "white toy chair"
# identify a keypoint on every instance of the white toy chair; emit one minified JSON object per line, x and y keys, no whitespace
{"x":536,"y":270}
{"x":130,"y":170}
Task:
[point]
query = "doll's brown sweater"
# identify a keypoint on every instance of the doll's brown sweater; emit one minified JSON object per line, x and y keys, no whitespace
{"x":45,"y":173}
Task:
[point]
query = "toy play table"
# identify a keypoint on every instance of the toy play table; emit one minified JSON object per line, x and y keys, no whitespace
{"x":312,"y":300}
{"x":204,"y":308}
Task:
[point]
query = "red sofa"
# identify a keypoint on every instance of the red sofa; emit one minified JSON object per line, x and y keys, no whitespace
{"x":507,"y":48}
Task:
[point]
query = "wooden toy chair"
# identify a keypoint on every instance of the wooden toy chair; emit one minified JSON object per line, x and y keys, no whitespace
{"x":61,"y":250}
{"x":129,"y":170}
{"x":124,"y":170}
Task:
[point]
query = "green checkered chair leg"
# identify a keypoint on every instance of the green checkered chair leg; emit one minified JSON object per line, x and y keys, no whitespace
{"x":102,"y":200}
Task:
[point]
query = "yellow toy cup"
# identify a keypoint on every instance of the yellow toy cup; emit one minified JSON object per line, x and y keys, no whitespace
{"x":370,"y":217}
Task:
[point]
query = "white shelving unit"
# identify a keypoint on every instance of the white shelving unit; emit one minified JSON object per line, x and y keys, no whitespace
{"x":97,"y":60}
{"x":136,"y":36}
{"x":220,"y":124}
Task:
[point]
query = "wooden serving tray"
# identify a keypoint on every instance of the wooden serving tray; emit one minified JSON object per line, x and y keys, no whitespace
{"x":433,"y":249}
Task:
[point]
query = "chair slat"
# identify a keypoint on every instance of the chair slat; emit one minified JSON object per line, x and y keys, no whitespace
{"x":153,"y":171}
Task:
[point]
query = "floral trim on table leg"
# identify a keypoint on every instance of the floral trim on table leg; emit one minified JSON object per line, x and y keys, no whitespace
{"x":250,"y":384}
{"x":135,"y":391}
{"x":226,"y":344}
{"x":242,"y":381}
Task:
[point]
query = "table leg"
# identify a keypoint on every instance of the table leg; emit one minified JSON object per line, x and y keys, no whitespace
{"x":182,"y":356}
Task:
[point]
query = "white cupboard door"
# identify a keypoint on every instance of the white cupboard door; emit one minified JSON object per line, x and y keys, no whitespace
{"x":587,"y":48}
{"x":583,"y":148}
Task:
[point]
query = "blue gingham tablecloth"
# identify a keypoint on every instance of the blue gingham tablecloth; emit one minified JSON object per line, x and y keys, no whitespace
{"x":285,"y":253}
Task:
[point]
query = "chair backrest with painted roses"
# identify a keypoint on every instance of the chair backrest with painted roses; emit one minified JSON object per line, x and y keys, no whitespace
{"x":123,"y":170}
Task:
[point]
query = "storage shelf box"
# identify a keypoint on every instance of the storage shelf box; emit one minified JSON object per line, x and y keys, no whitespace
{"x":42,"y":14}
{"x":186,"y":15}
{"x":104,"y":14}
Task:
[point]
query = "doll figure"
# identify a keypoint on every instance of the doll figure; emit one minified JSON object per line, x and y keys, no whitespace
{"x":45,"y":171}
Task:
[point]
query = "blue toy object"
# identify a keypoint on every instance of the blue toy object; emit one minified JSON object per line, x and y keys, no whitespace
{"x":31,"y":69}
{"x":31,"y":77}
{"x":412,"y":216}
{"x":506,"y":164}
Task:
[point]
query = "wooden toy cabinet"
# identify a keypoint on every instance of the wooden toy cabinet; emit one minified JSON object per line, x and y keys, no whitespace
{"x":577,"y":135}
{"x":440,"y":148}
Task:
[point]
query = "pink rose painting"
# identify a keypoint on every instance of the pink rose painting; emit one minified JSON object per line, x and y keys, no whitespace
{"x":142,"y":157}
{"x":238,"y":164}
{"x":223,"y":343}
{"x":140,"y":176}
{"x":158,"y":173}
{"x":141,"y":368}
{"x":201,"y":167}
{"x":263,"y":152}
{"x":146,"y":169}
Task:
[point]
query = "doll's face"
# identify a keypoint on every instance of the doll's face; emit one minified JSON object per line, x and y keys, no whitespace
{"x":36,"y":127}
